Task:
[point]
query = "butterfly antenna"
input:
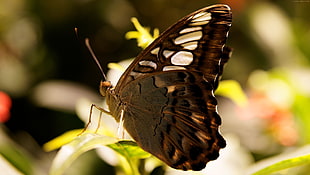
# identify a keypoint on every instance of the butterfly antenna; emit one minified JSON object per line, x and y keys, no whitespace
{"x":94,"y":57}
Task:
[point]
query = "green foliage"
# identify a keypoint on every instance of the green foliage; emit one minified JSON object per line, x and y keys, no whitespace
{"x":129,"y":149}
{"x":132,"y":153}
{"x":71,"y":151}
{"x":284,"y":164}
{"x":19,"y":161}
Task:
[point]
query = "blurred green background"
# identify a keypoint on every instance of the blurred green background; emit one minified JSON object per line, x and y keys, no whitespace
{"x":45,"y":68}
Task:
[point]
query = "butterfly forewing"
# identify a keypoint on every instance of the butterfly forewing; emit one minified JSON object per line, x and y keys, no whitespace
{"x":190,"y":43}
{"x":166,"y":94}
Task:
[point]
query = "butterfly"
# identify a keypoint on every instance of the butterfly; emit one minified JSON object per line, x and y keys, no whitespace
{"x":165,"y":97}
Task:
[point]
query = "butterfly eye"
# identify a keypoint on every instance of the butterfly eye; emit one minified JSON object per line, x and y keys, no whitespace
{"x":104,"y":86}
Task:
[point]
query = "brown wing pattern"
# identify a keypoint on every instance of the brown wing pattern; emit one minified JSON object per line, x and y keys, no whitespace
{"x":173,"y":116}
{"x":200,"y":36}
{"x":166,"y":94}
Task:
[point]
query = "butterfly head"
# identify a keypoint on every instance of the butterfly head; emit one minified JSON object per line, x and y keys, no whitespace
{"x":104,"y":87}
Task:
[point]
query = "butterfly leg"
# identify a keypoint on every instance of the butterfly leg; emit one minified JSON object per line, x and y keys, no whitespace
{"x":120,"y":129}
{"x":90,"y":114}
{"x":98,"y":126}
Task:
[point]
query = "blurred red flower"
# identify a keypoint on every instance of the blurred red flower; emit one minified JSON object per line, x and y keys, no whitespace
{"x":278,"y":120}
{"x":5,"y":106}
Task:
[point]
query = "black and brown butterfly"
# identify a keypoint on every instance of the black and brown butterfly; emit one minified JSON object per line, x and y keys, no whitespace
{"x":165,"y":97}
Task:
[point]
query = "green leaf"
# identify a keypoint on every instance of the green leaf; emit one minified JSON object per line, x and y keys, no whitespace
{"x":71,"y":151}
{"x":129,"y":149}
{"x":132,"y":153}
{"x":284,"y":164}
{"x":8,"y":168}
{"x":15,"y":159}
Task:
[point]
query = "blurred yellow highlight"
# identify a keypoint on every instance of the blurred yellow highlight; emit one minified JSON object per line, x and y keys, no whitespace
{"x":61,"y":140}
{"x":232,"y":90}
{"x":116,"y":66}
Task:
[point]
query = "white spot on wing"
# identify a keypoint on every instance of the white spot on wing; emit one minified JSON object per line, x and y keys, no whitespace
{"x":201,"y":19}
{"x":190,"y":29}
{"x":188,"y":37}
{"x":168,"y":53}
{"x":167,"y":68}
{"x":148,"y":63}
{"x":171,"y":88}
{"x":182,"y":58}
{"x":155,"y":51}
{"x":203,"y":16}
{"x":190,"y":46}
{"x":199,"y":23}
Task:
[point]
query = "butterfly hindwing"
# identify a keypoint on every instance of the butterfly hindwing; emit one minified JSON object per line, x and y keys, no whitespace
{"x":166,"y":95}
{"x":176,"y":119}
